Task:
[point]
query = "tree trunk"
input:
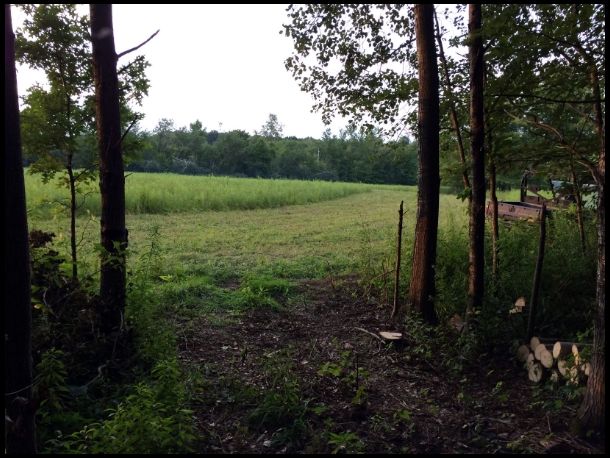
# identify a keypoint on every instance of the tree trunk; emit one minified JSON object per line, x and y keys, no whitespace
{"x":477,"y":142}
{"x":592,"y":412}
{"x":72,"y":219}
{"x":20,"y":435}
{"x":537,"y":275}
{"x":112,"y":180}
{"x":452,"y":110}
{"x":422,"y":286}
{"x":579,"y":211}
{"x":495,"y":230}
{"x":398,"y":253}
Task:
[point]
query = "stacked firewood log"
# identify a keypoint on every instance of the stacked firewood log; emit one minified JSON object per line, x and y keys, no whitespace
{"x":554,"y":360}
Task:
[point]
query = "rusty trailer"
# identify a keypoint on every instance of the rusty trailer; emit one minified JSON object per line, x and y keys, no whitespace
{"x":516,"y":211}
{"x":529,"y":207}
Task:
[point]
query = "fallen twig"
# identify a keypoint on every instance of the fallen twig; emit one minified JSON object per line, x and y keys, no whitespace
{"x":370,"y":333}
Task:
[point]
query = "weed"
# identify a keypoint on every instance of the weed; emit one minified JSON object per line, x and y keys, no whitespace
{"x":498,"y":392}
{"x":282,"y":406}
{"x":350,"y":374}
{"x":345,"y":442}
{"x":403,"y":420}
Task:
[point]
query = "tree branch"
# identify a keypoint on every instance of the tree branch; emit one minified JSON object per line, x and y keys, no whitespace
{"x":580,"y":158}
{"x":137,"y":47}
{"x":546,"y":99}
{"x":128,"y":129}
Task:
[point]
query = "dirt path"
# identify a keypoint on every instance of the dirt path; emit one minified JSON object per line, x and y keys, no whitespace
{"x":309,"y":378}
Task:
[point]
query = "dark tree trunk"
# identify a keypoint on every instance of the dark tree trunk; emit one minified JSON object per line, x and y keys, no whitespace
{"x":531,"y":319}
{"x":112,"y":180}
{"x":592,"y":412}
{"x":20,"y":434}
{"x":422,"y":287}
{"x":477,"y":142}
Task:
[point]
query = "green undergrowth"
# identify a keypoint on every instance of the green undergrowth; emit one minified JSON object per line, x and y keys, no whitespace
{"x":143,"y":410}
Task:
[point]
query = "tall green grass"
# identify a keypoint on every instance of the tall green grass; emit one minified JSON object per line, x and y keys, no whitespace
{"x":171,"y":193}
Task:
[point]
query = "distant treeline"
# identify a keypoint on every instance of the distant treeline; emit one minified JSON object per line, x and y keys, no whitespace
{"x":352,"y":156}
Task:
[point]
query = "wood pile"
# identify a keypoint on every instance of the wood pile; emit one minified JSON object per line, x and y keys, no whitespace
{"x":547,"y":359}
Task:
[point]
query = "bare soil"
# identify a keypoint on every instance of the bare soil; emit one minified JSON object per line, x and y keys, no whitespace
{"x":408,"y":403}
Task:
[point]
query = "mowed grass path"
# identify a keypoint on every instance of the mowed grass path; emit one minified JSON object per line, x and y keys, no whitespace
{"x":296,"y":241}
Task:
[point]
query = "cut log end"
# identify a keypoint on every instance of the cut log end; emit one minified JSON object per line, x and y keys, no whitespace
{"x":535,"y":372}
{"x":543,"y":355}
{"x":546,"y":359}
{"x":561,"y":349}
{"x":390,"y":335}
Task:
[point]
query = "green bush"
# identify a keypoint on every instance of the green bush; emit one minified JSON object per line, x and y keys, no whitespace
{"x":153,"y":419}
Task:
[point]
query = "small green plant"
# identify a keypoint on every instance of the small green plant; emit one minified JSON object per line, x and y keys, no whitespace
{"x":345,"y":442}
{"x":519,"y":445}
{"x":330,"y":369}
{"x":380,"y":424}
{"x":498,"y":392}
{"x":282,"y":406}
{"x":349,"y":374}
{"x":403,"y":420}
{"x":319,"y":409}
{"x":51,"y":388}
{"x":260,"y":292}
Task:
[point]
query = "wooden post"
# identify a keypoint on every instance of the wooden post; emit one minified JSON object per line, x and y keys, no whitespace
{"x":537,"y":274}
{"x":398,"y":250}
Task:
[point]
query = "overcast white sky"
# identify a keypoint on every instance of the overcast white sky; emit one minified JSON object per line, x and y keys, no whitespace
{"x":221,"y":64}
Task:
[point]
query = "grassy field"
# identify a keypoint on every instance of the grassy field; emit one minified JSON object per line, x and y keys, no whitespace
{"x":346,"y":224}
{"x":252,"y":226}
{"x":148,"y":193}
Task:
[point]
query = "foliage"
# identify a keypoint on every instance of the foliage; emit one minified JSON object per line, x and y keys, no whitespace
{"x":54,"y":397}
{"x":351,"y":59}
{"x":51,"y":382}
{"x":64,"y":314}
{"x":153,"y":419}
{"x":549,"y":89}
{"x":58,"y":120}
{"x":272,"y":128}
{"x":352,"y":156}
{"x":154,"y":338}
{"x":345,"y":442}
{"x":282,"y":405}
{"x":56,"y":39}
